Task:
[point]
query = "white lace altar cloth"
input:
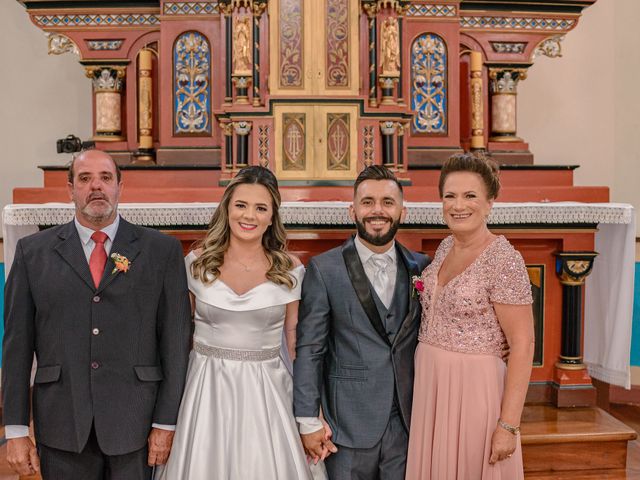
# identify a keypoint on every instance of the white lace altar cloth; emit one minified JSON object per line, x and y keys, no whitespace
{"x":609,"y":289}
{"x":329,"y":213}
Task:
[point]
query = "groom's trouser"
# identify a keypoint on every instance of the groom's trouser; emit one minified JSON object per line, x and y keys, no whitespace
{"x":384,"y":461}
{"x":92,"y":464}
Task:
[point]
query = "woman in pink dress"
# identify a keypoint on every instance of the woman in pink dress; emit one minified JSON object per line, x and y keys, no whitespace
{"x":476,"y":302}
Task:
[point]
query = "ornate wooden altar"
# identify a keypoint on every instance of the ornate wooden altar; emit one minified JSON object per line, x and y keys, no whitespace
{"x":315,"y":89}
{"x":187,"y":92}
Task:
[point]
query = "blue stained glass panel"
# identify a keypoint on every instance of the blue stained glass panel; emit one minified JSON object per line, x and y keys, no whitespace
{"x":429,"y":84}
{"x":192,"y":85}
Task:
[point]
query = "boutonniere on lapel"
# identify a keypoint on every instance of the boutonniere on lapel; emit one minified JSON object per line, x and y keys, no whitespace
{"x":418,"y":286}
{"x":122,"y":263}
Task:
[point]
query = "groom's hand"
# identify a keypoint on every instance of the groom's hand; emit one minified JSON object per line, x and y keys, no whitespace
{"x":328,"y":433}
{"x":317,"y":445}
{"x":22,"y":456}
{"x":160,"y":442}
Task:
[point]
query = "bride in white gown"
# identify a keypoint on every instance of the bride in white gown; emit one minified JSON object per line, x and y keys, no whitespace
{"x":236,"y":418}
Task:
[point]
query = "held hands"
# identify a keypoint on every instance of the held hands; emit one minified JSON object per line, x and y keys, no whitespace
{"x":160,"y":442}
{"x":22,"y":456}
{"x":318,"y":445}
{"x":503,"y":444}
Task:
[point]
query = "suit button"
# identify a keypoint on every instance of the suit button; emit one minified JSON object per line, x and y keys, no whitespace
{"x":95,"y":365}
{"x":95,"y":331}
{"x":96,"y":299}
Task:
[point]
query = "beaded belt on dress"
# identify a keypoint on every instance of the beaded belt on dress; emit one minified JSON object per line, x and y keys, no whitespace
{"x":242,"y":355}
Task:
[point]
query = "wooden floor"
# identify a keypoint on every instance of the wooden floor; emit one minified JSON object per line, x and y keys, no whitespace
{"x":628,"y":414}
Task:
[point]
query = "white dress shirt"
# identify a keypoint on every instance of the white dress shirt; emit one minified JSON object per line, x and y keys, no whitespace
{"x":17,"y":431}
{"x":308,"y":425}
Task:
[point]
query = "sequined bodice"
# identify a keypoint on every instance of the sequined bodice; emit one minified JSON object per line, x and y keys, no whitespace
{"x":460,"y":315}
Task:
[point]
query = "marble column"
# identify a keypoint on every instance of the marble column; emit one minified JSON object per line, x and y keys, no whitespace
{"x":504,"y":99}
{"x":572,"y":384}
{"x":108,"y":85}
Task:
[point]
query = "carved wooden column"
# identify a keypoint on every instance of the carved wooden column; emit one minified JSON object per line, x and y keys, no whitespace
{"x":388,"y":130}
{"x":403,"y":127}
{"x":108,"y":85}
{"x":477,"y":102}
{"x":572,"y":384}
{"x":401,"y":10}
{"x":504,"y":100}
{"x":242,"y":130}
{"x":226,"y":9}
{"x":145,"y":107}
{"x":258,"y":10}
{"x":227,"y":130}
{"x":372,"y":9}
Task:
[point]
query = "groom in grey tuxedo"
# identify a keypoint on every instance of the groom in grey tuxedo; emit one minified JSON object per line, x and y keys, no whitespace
{"x":103,"y":305}
{"x":356,"y":336}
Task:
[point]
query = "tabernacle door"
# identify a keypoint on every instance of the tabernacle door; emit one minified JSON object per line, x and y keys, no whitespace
{"x":314,"y":47}
{"x":316,"y":142}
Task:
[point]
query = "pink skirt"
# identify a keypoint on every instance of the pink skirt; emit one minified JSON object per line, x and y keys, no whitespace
{"x":456,"y":406}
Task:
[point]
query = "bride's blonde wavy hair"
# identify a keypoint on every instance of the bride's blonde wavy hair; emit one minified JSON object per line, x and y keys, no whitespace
{"x":216,"y":241}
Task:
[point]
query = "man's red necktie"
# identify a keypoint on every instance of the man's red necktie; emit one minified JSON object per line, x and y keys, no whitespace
{"x":98,"y":257}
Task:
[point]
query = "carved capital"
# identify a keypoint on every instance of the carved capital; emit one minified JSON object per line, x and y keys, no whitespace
{"x":106,"y":78}
{"x":242,"y":128}
{"x":388,"y":127}
{"x":259,"y":8}
{"x":59,"y":44}
{"x":227,"y":128}
{"x":241,"y":81}
{"x":505,"y":80}
{"x":225,"y":7}
{"x":370,"y":8}
{"x":574,"y":267}
{"x":402,"y":128}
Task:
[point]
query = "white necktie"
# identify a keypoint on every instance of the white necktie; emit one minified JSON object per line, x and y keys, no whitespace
{"x":380,"y":281}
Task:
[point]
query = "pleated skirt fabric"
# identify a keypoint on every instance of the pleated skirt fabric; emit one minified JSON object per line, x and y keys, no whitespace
{"x":456,"y":406}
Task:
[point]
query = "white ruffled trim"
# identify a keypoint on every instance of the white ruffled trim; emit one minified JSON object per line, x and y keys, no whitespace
{"x":263,"y":295}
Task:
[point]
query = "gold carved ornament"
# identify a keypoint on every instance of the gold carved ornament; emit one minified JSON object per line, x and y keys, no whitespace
{"x":390,"y":48}
{"x":242,"y":47}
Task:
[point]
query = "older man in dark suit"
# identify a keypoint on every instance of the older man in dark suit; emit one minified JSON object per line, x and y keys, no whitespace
{"x":103,"y":305}
{"x":357,"y":333}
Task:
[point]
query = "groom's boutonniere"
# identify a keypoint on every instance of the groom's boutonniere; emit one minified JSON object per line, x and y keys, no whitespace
{"x":122,"y":263}
{"x":418,"y":286}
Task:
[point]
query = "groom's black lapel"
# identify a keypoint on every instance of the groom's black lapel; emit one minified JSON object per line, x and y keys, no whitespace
{"x":361,"y":285}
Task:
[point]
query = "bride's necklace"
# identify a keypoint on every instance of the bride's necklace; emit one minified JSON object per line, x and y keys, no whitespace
{"x":247,"y":268}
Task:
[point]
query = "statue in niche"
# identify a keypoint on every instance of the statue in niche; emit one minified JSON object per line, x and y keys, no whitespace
{"x":242,"y":47}
{"x":390,"y":48}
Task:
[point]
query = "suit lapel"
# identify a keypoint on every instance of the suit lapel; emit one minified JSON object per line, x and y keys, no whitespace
{"x":361,"y":285}
{"x":124,"y":244}
{"x":70,"y":249}
{"x":412,"y":268}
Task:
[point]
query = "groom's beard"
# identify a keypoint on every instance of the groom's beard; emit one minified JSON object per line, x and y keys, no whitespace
{"x":381,"y":238}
